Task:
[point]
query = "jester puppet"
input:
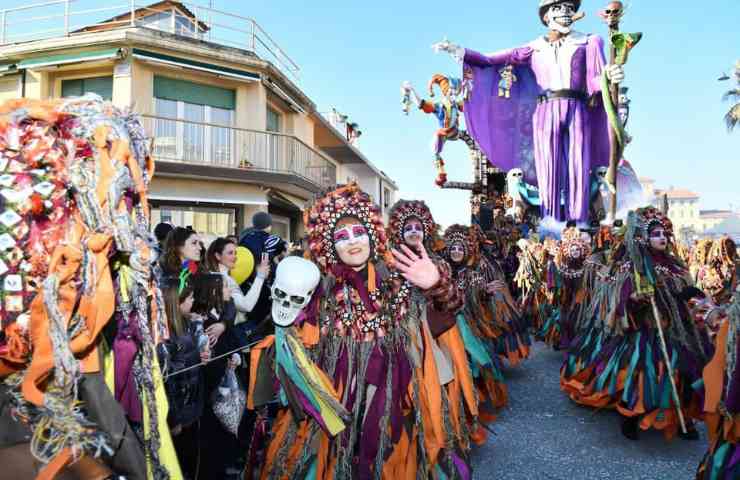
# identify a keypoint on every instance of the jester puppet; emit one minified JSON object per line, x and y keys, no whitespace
{"x":552,"y":123}
{"x":447,"y":113}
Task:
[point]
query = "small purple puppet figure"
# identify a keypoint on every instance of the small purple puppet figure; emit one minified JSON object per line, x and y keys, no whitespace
{"x":551,"y":123}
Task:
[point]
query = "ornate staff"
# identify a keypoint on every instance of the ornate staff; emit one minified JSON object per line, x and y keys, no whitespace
{"x":668,"y":366}
{"x":620,"y":45}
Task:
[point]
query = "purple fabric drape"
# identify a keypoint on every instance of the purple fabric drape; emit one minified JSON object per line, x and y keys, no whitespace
{"x":555,"y":143}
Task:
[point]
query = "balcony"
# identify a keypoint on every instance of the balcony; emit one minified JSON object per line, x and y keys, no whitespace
{"x":65,"y":18}
{"x":247,"y":154}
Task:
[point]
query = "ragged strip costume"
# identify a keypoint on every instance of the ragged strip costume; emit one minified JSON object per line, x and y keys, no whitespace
{"x":717,"y":276}
{"x":447,"y":391}
{"x":721,"y":386}
{"x":572,"y":294}
{"x":513,"y":342}
{"x":75,"y":263}
{"x":620,"y":361}
{"x":359,"y":332}
{"x":531,"y":281}
{"x":475,"y":319}
{"x":549,"y":331}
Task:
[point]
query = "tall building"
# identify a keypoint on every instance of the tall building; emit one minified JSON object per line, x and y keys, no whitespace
{"x":232,"y":131}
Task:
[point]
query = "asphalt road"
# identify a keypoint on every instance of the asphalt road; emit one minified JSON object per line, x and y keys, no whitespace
{"x":542,"y":435}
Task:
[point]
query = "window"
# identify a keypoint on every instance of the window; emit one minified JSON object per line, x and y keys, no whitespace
{"x":386,"y":197}
{"x":103,"y":86}
{"x":209,"y":222}
{"x":196,"y":138}
{"x":281,"y":227}
{"x":273,"y":120}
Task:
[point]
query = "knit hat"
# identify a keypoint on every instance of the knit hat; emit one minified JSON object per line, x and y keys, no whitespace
{"x":261,"y":220}
{"x":162,"y":230}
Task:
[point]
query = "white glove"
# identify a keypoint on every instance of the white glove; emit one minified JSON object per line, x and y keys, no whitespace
{"x":406,"y":86}
{"x":615,"y":73}
{"x":445,"y":46}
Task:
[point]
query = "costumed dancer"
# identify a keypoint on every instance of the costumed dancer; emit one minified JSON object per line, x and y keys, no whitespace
{"x":558,"y":92}
{"x":76,"y":259}
{"x":531,"y":282}
{"x":513,"y":341}
{"x":475,"y":320}
{"x":446,"y":374}
{"x":647,"y":351}
{"x":549,"y":330}
{"x":572,"y":294}
{"x":717,"y":277}
{"x":721,"y":384}
{"x":358,"y":332}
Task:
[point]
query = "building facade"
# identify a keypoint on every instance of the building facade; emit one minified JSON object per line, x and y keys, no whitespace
{"x":232,"y":131}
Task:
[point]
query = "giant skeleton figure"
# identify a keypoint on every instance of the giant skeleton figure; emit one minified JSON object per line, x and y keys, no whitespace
{"x":552,"y":123}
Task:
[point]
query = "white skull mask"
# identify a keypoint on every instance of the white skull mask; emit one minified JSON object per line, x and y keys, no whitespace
{"x":295,"y":281}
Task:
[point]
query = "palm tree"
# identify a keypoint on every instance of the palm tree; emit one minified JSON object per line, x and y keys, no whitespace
{"x":732,"y":118}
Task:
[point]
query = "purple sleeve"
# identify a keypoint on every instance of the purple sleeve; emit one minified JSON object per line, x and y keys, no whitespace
{"x":515,"y":56}
{"x":594,"y":63}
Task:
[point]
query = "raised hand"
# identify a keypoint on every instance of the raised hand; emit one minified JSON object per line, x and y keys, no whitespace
{"x":417,"y":269}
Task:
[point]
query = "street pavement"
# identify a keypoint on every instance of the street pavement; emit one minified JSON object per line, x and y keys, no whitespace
{"x":543,"y":435}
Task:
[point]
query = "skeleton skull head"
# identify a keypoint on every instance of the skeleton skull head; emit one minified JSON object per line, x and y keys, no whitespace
{"x":601,"y":173}
{"x":515,"y":174}
{"x":559,"y":16}
{"x":613,"y":12}
{"x":295,"y":281}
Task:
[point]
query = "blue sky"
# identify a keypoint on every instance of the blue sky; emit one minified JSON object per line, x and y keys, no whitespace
{"x":354,"y":56}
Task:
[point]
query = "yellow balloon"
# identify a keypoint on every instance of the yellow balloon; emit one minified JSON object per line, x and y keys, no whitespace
{"x":244,"y":265}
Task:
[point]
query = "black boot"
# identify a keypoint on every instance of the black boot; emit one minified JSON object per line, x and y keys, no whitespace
{"x":630,"y":427}
{"x":691,"y":433}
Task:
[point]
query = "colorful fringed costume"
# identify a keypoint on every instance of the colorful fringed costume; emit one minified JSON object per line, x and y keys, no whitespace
{"x":721,"y":382}
{"x":475,"y":319}
{"x":361,"y":333}
{"x":572,"y":294}
{"x":439,"y":344}
{"x":619,"y":361}
{"x":531,"y":280}
{"x":717,"y":275}
{"x":76,"y":259}
{"x":513,"y":343}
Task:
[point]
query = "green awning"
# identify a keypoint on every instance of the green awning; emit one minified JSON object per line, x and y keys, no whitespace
{"x":194,"y":65}
{"x":196,"y":93}
{"x":89,"y":56}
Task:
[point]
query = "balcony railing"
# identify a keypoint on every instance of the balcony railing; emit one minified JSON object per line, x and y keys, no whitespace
{"x":59,"y":18}
{"x":217,"y":145}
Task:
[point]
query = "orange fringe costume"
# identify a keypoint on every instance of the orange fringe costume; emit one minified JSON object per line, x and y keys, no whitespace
{"x":618,"y":360}
{"x":365,"y":332}
{"x":475,"y":320}
{"x":75,"y":241}
{"x":721,"y":382}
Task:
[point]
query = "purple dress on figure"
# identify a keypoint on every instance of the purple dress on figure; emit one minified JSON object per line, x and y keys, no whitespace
{"x":556,"y":142}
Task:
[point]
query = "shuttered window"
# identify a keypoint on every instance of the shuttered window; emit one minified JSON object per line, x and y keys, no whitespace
{"x":103,"y":86}
{"x":194,"y":93}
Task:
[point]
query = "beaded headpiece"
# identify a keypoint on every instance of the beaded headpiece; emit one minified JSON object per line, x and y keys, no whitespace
{"x":328,"y":209}
{"x":463,"y":235}
{"x":404,"y":210}
{"x":572,"y":252}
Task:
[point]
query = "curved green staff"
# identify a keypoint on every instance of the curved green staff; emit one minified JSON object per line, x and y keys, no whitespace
{"x":623,"y":43}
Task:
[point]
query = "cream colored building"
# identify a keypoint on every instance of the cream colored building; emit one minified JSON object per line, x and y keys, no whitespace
{"x":233,"y":132}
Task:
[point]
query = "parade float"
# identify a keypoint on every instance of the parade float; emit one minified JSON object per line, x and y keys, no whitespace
{"x":544,"y":122}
